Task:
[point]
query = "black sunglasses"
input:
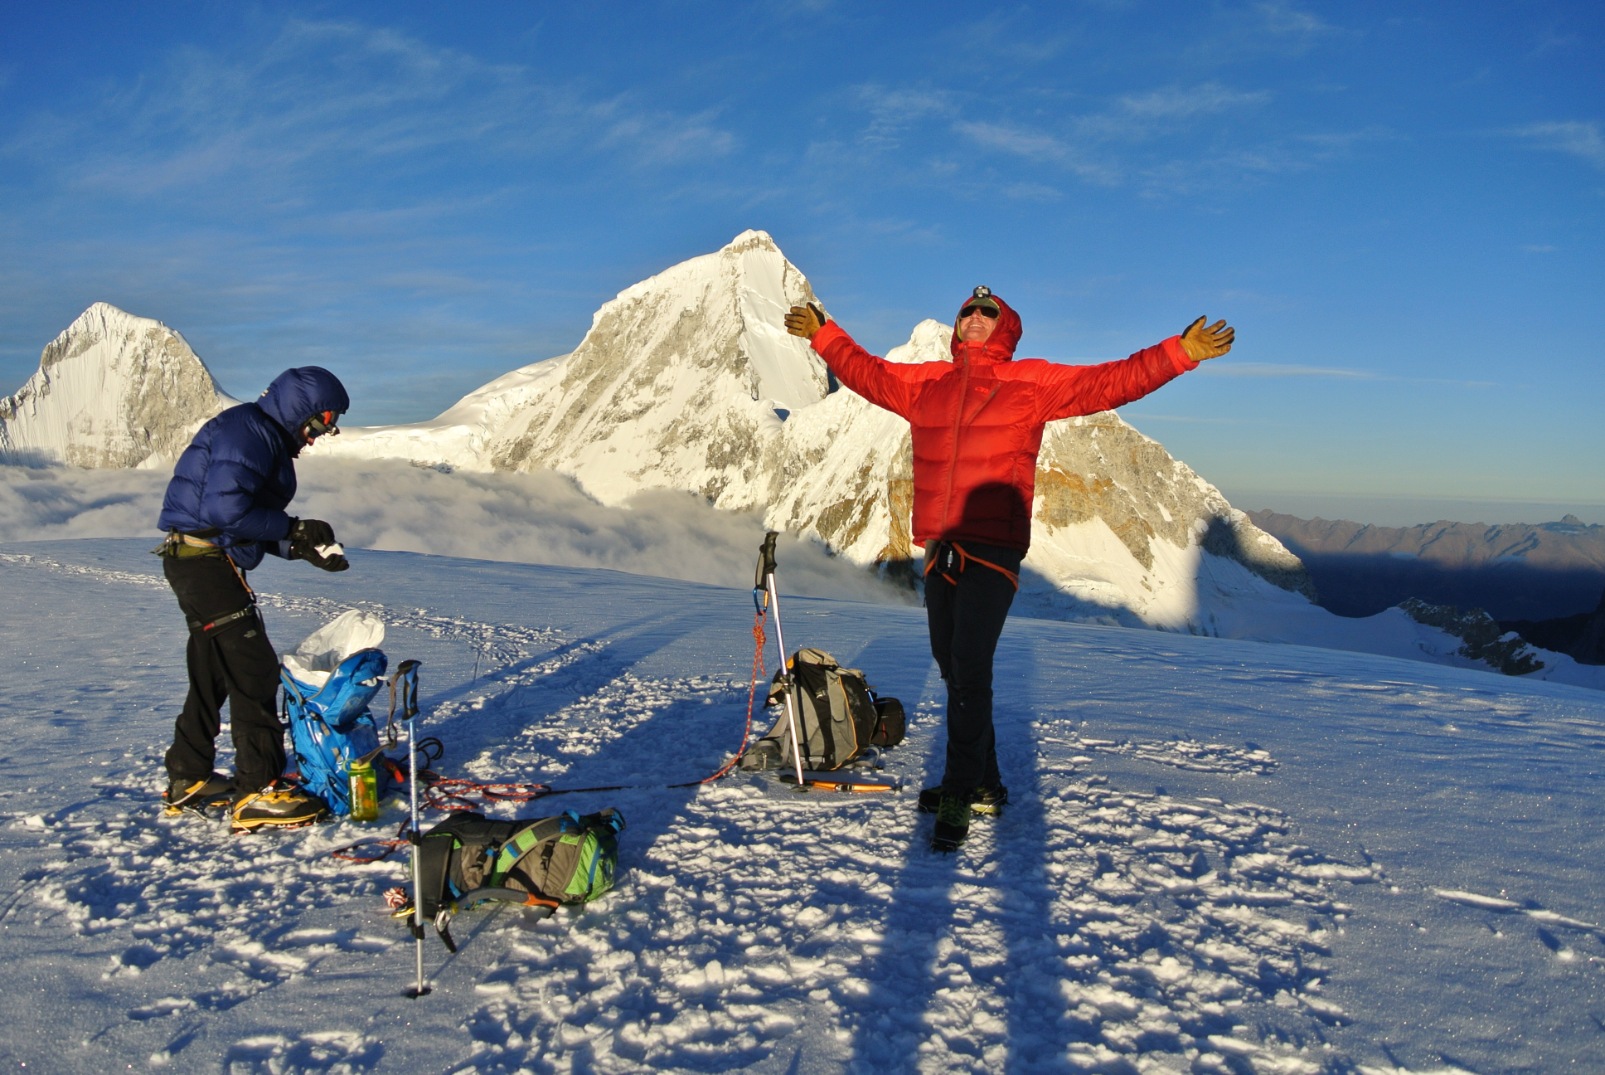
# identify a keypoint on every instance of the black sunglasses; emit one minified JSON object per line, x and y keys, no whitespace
{"x":977,"y":308}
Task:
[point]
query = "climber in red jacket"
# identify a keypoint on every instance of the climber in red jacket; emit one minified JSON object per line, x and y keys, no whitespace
{"x":977,"y":427}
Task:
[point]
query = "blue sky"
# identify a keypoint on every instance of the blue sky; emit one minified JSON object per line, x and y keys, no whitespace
{"x":1399,"y":205}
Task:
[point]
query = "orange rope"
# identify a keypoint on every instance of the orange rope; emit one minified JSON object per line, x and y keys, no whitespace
{"x":752,"y":695}
{"x":964,"y":561}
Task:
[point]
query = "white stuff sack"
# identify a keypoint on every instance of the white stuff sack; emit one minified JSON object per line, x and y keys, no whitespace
{"x":320,"y":653}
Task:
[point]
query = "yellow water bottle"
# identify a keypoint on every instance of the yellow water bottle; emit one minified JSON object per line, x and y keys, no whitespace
{"x":364,"y":791}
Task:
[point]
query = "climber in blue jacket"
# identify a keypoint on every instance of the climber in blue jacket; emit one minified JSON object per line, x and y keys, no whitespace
{"x":225,"y":508}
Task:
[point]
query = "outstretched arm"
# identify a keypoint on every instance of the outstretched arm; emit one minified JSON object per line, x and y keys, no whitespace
{"x":1073,"y":390}
{"x":883,"y":383}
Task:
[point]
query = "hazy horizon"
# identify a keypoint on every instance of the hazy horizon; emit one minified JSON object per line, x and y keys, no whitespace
{"x":1405,"y":511}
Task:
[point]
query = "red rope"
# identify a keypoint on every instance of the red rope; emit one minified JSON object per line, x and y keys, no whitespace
{"x":450,"y":793}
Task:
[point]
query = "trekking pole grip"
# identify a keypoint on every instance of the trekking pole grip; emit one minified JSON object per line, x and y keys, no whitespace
{"x":766,"y":560}
{"x":406,"y":679}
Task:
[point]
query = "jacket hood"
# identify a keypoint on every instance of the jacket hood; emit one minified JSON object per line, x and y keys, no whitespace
{"x":999,"y":347}
{"x":297,"y":394}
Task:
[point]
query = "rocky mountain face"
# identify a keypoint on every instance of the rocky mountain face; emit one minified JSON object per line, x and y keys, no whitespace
{"x":1486,"y":642}
{"x":113,"y":390}
{"x":1514,"y":572}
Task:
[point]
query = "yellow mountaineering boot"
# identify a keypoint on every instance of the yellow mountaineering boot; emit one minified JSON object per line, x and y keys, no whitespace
{"x":280,"y":804}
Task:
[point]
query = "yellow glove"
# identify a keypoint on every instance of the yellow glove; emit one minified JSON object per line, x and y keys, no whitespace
{"x":806,"y":320}
{"x":1212,"y":342}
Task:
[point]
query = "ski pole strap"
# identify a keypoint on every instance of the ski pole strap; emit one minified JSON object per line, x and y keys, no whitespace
{"x":949,"y":558}
{"x":404,"y":682}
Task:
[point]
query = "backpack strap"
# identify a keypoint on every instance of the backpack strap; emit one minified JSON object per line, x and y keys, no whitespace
{"x":524,"y":841}
{"x":434,"y":865}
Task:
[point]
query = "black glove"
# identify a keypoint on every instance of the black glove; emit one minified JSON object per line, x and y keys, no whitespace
{"x":307,"y":536}
{"x":337,"y":562}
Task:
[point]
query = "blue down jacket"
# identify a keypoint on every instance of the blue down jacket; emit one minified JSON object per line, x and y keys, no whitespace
{"x":235,"y":479}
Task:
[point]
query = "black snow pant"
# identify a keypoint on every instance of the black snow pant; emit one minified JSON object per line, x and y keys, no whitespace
{"x":233,"y":662}
{"x":966,"y":603}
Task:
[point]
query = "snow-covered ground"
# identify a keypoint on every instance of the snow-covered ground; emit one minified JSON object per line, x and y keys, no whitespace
{"x":1221,"y":856}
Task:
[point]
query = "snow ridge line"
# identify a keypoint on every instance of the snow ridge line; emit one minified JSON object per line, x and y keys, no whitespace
{"x":503,"y":643}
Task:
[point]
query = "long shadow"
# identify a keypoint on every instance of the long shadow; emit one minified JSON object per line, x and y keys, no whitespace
{"x":1004,"y":860}
{"x":912,"y":942}
{"x":1029,"y":981}
{"x":545,"y":696}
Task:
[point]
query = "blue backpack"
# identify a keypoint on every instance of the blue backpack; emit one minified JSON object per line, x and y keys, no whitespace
{"x":330,"y":727}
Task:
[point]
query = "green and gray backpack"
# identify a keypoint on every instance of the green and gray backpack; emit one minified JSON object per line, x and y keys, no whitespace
{"x":570,"y":858}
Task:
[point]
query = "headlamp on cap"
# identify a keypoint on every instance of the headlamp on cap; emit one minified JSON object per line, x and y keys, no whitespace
{"x":981,"y":302}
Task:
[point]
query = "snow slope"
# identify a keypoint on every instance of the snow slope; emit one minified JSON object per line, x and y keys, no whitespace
{"x":1222,"y":856}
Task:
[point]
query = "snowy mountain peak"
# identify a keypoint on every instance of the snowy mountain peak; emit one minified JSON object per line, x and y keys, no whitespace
{"x":113,"y":390}
{"x":680,"y":378}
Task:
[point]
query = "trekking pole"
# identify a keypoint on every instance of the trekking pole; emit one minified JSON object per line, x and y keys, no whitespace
{"x":407,"y":679}
{"x":766,"y":581}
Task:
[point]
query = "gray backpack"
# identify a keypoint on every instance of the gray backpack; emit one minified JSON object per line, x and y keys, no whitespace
{"x":838,"y":716}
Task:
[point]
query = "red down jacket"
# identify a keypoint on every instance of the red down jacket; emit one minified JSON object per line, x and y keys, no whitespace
{"x":977,"y":421}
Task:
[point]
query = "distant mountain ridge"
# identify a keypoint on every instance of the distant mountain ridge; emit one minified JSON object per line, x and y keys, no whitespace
{"x":1515,"y":571}
{"x":113,"y":390}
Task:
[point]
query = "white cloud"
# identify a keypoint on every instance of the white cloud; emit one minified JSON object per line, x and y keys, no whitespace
{"x":1584,"y":140}
{"x":1177,"y":103}
{"x":1271,"y":369}
{"x":320,"y":93}
{"x":538,"y":518}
